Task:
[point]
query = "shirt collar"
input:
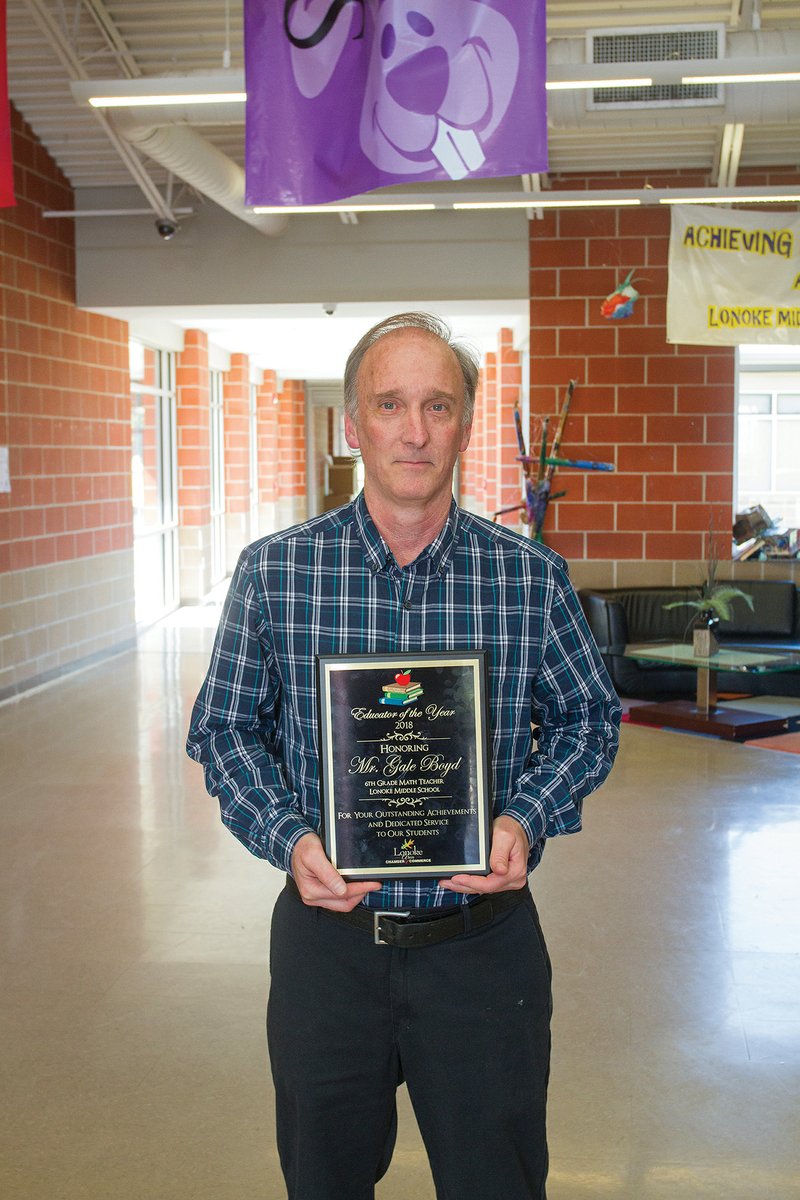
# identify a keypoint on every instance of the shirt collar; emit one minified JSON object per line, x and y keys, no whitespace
{"x":434,"y":559}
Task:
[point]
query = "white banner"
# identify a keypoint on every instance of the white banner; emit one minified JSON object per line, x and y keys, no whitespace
{"x":733,"y":277}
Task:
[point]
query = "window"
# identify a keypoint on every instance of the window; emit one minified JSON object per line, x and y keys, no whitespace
{"x":153,"y":481}
{"x":768,"y":434}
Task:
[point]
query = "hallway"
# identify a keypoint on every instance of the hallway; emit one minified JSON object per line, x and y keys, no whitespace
{"x":133,"y":959}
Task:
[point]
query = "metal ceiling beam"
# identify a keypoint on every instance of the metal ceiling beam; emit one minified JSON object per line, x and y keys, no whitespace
{"x":113,"y":37}
{"x":76,"y":71}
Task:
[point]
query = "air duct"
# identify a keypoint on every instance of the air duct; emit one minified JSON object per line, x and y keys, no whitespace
{"x":188,"y":155}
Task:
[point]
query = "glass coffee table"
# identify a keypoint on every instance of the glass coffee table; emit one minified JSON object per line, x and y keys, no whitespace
{"x":704,"y":714}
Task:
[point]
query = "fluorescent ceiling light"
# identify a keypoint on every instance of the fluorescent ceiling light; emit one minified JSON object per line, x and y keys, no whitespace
{"x":163,"y":98}
{"x":535,"y":200}
{"x":340,"y":208}
{"x":568,"y":85}
{"x":731,"y":198}
{"x":211,"y":87}
{"x":443,"y":201}
{"x":766,"y":77}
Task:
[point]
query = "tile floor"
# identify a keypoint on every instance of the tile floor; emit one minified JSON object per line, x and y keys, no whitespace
{"x":132,"y":959}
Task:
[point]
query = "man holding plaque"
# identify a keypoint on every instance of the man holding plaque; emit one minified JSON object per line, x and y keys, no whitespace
{"x":370,"y":700}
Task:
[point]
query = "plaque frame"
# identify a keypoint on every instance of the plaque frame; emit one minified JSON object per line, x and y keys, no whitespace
{"x":469,"y":673}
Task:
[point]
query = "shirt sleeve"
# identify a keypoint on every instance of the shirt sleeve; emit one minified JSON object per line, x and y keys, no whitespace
{"x":234,"y":729}
{"x":578,"y":714}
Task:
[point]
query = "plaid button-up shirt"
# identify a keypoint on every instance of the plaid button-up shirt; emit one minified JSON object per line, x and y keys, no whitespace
{"x":332,"y":586}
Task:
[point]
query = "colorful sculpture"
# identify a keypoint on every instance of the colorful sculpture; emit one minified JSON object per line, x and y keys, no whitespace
{"x":538,"y":492}
{"x":619,"y":304}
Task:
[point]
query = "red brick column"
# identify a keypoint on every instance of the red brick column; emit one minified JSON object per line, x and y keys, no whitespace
{"x":508,"y":488}
{"x":492,"y":475}
{"x":291,"y":452}
{"x":194,"y":466}
{"x":470,"y":473}
{"x":236,"y":410}
{"x":490,"y":433}
{"x":267,"y":424}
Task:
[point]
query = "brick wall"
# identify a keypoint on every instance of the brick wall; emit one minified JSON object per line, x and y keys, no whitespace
{"x":236,"y":392}
{"x":291,"y":452}
{"x":490,"y":473}
{"x":267,"y":435}
{"x":66,"y":563}
{"x":194,"y":466}
{"x":663,"y":414}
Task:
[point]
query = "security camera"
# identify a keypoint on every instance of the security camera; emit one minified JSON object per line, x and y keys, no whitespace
{"x":329,"y":309}
{"x":165,"y":228}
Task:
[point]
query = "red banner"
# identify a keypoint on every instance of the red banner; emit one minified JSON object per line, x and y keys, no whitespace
{"x":6,"y":160}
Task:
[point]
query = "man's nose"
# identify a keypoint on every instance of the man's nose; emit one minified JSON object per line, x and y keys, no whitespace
{"x":415,"y":430}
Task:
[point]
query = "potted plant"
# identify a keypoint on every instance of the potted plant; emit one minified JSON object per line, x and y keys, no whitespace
{"x":715,"y":603}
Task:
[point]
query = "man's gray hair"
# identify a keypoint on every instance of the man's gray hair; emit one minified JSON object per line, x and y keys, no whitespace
{"x":466,"y":356}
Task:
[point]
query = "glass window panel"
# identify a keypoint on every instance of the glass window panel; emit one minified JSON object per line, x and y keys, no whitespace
{"x":149,"y":579}
{"x":136,"y":361}
{"x":787,"y":456}
{"x":755,"y":402}
{"x":153,"y":487}
{"x":789,"y":402}
{"x":145,"y":464}
{"x":755,"y":455}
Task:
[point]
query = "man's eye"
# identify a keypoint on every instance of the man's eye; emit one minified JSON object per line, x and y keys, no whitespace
{"x":388,"y":405}
{"x":439,"y":407}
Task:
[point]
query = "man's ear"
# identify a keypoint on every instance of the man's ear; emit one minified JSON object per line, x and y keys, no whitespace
{"x":351,"y":433}
{"x":465,"y":438}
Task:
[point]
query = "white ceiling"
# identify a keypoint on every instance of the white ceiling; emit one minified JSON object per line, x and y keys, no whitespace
{"x":51,"y":41}
{"x":304,"y":342}
{"x":54,"y":42}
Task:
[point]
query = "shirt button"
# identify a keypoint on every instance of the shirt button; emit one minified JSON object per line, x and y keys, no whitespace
{"x":406,"y":604}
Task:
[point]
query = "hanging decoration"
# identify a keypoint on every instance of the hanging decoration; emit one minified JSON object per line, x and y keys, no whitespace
{"x":344,"y":96}
{"x":734,"y":277}
{"x":619,"y":304}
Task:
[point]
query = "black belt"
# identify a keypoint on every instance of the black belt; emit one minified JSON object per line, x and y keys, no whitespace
{"x":421,"y":927}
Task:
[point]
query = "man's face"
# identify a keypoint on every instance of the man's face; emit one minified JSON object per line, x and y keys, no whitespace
{"x":409,"y":425}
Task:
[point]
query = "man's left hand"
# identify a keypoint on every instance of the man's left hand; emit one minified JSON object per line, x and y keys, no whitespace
{"x":508,"y":861}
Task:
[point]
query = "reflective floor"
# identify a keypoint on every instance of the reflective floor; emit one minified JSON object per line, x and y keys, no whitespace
{"x":134,"y":976}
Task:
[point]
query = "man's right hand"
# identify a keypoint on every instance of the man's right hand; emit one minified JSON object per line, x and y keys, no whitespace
{"x":318,"y":881}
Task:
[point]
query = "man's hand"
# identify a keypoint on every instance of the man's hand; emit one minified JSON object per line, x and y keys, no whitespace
{"x":508,"y":861}
{"x":318,"y":881}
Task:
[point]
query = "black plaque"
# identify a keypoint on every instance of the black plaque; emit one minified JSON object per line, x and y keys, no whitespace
{"x":404,"y":764}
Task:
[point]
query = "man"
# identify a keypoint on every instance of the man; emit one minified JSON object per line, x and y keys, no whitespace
{"x":465,"y":1019}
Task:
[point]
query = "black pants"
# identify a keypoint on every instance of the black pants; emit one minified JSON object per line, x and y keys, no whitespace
{"x":466,"y":1023}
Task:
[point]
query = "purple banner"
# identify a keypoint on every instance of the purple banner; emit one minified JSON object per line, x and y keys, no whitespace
{"x":344,"y":96}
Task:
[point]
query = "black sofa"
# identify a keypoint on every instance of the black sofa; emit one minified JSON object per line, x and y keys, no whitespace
{"x":630,"y":615}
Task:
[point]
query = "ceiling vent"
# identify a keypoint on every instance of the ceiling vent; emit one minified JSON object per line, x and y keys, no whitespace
{"x":655,"y":45}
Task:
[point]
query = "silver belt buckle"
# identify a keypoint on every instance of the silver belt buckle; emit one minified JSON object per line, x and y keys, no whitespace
{"x":376,"y":924}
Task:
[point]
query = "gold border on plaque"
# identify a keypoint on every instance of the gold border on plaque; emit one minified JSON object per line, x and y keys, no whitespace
{"x":475,"y":660}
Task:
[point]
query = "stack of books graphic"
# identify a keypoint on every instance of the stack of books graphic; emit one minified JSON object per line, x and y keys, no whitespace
{"x":399,"y":694}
